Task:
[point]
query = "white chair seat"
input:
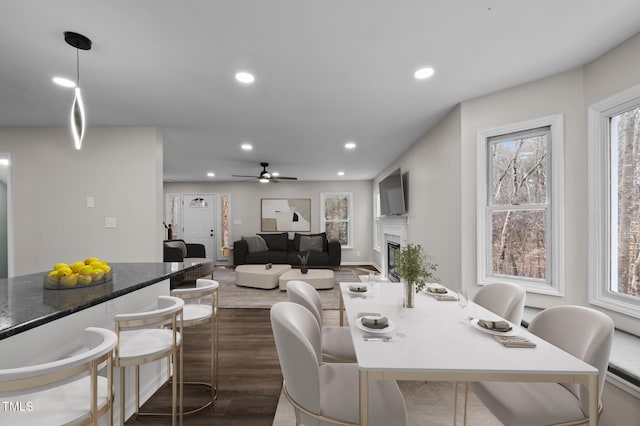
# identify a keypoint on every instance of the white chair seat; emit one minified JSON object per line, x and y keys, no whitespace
{"x":386,"y":406}
{"x":195,"y":312}
{"x":59,"y":405}
{"x":530,"y":404}
{"x":145,"y":342}
{"x":337,"y":341}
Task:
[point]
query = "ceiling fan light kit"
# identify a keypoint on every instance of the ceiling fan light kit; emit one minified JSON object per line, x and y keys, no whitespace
{"x":267,"y":177}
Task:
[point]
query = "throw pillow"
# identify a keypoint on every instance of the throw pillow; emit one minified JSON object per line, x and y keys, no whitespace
{"x":256,"y":243}
{"x":308,"y":243}
{"x":296,"y":240}
{"x":277,"y":242}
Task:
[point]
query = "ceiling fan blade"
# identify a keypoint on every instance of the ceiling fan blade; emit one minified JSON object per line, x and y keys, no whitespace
{"x":286,"y":178}
{"x":245,"y":176}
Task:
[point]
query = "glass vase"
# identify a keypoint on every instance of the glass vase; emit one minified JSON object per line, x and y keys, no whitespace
{"x":409,"y":293}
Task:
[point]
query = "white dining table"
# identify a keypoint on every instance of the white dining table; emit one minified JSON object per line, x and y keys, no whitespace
{"x":436,"y":341}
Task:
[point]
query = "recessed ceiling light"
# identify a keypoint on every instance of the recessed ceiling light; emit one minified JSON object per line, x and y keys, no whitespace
{"x":211,"y":174}
{"x":275,"y":174}
{"x":340,"y":173}
{"x":245,"y":77}
{"x":64,"y":82}
{"x":350,"y":145}
{"x":246,"y":146}
{"x":423,"y":73}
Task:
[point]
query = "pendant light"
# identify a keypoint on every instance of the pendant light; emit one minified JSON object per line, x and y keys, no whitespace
{"x":77,"y":108}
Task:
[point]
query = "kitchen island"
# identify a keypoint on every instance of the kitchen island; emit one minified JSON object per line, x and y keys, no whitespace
{"x":39,"y":325}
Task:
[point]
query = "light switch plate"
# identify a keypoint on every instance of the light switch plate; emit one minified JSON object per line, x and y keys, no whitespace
{"x":109,"y":222}
{"x":90,"y":202}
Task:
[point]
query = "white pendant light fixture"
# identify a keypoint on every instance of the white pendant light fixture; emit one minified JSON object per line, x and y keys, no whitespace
{"x":78,"y":118}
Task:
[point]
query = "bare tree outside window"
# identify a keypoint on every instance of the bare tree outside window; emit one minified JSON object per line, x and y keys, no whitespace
{"x":625,"y":194}
{"x":519,"y":210}
{"x":336,"y":216}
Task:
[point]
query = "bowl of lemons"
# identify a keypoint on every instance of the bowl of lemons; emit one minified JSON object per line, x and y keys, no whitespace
{"x":83,"y":273}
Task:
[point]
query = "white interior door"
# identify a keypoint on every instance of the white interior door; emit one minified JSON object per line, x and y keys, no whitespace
{"x":198,"y":221}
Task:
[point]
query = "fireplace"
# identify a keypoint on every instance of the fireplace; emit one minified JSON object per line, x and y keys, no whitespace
{"x":392,"y":250}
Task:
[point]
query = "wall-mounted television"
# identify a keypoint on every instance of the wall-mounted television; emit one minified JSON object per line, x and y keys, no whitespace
{"x":392,"y":201}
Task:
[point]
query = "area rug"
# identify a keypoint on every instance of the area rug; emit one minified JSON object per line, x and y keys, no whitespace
{"x":232,"y":296}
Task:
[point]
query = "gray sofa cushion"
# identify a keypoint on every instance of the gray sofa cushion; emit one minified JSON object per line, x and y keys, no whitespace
{"x":256,"y":243}
{"x":308,"y":243}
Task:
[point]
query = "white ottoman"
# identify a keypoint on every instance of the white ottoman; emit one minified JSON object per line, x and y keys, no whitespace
{"x":259,"y":276}
{"x":318,"y":278}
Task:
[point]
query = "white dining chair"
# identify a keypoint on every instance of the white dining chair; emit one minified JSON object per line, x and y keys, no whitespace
{"x":149,"y":336}
{"x":583,"y":332}
{"x":320,"y":392}
{"x":64,"y":391}
{"x":201,"y":307}
{"x":337,"y":344}
{"x":504,"y":299}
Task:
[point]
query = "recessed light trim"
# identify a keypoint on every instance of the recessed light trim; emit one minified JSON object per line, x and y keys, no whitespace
{"x":245,"y":77}
{"x":424,"y":73}
{"x":350,"y":145}
{"x":340,"y":173}
{"x":64,"y":82}
{"x":211,"y":174}
{"x":246,"y":146}
{"x":275,"y":174}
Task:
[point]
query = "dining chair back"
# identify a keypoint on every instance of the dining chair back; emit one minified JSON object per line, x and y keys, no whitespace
{"x":325,"y":393}
{"x":64,"y":391}
{"x":337,"y":344}
{"x":504,"y":299}
{"x":583,"y":332}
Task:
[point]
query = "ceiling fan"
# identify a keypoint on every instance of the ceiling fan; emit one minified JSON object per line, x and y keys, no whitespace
{"x":266,"y":177}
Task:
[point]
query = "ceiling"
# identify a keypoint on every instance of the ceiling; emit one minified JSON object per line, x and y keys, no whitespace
{"x":327,"y":71}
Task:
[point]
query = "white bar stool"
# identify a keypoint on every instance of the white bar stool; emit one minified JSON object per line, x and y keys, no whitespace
{"x":201,"y":306}
{"x":144,"y":337}
{"x":65,"y":391}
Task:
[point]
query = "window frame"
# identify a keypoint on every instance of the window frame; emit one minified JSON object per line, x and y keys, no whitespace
{"x":349,"y":220}
{"x":554,"y":284}
{"x":599,"y":167}
{"x":377,"y":223}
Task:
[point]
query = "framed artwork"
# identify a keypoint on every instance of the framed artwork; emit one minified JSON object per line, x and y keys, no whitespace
{"x":285,"y":214}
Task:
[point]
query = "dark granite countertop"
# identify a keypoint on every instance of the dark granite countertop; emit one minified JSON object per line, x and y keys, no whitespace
{"x":26,"y":304}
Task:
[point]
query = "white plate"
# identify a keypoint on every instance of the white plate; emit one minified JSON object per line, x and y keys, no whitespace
{"x":426,"y":290}
{"x":512,"y":332}
{"x":387,"y":329}
{"x":358,"y":293}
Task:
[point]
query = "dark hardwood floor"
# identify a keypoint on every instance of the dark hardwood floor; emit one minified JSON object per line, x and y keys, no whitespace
{"x":249,"y":373}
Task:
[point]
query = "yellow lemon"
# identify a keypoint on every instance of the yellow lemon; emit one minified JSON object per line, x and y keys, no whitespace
{"x":88,"y":260}
{"x":69,"y":281}
{"x":97,"y":274}
{"x":64,"y":271}
{"x":106,"y":267}
{"x":85,"y":270}
{"x":52,"y":278}
{"x":84,"y":279}
{"x":96,"y":264}
{"x":75,"y":266}
{"x":59,"y":265}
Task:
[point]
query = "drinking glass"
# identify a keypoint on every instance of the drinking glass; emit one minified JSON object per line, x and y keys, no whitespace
{"x":463,"y":300}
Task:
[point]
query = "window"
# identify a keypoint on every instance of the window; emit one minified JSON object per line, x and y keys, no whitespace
{"x":614,"y":207}
{"x":519,"y":216}
{"x":336,"y":208}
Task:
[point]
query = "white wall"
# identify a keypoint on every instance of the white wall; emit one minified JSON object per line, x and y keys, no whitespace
{"x":432,"y":169}
{"x":245,"y":207}
{"x":50,"y":182}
